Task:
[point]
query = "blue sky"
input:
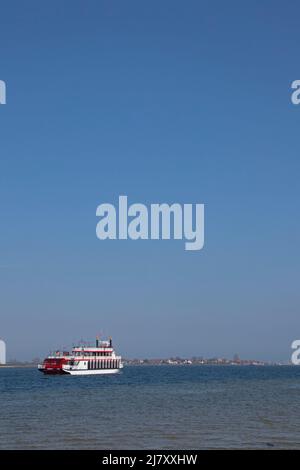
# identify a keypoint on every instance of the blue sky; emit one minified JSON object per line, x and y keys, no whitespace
{"x":164,"y":102}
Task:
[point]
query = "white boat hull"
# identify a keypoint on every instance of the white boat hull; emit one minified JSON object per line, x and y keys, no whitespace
{"x":92,"y":372}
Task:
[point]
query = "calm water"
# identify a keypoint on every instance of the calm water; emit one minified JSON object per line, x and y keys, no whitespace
{"x":166,"y":407}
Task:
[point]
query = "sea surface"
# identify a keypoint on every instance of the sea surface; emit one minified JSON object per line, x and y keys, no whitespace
{"x":152,"y":407}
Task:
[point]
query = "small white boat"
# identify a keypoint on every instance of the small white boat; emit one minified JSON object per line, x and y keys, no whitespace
{"x":100,"y":359}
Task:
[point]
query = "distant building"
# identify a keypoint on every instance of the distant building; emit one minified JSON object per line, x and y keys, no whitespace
{"x":236,"y":358}
{"x":2,"y":352}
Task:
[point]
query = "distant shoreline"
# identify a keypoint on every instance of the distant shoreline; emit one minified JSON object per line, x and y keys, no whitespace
{"x":17,"y":366}
{"x":34,"y":366}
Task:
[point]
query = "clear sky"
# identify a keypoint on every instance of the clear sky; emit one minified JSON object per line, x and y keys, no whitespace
{"x":167,"y":101}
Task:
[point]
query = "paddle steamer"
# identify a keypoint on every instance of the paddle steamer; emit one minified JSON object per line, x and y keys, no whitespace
{"x":100,"y":359}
